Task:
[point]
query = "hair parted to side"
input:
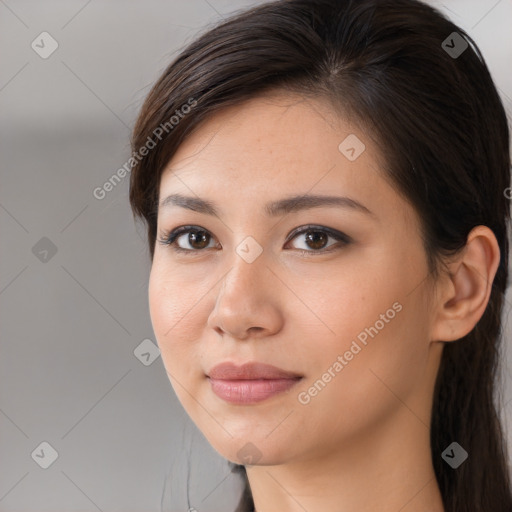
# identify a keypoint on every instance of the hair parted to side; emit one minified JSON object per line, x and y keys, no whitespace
{"x":442,"y":129}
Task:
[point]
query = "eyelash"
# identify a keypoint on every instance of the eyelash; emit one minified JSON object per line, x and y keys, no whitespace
{"x":170,"y":238}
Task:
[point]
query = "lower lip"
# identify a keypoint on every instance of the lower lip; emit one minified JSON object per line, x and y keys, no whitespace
{"x":250,"y":391}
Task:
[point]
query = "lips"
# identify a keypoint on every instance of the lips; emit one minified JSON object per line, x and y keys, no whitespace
{"x":250,"y":371}
{"x":250,"y":383}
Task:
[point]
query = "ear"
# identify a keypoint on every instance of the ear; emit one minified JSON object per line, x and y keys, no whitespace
{"x":463,"y":294}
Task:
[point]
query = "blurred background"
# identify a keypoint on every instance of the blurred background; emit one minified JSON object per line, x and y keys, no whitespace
{"x":88,"y":418}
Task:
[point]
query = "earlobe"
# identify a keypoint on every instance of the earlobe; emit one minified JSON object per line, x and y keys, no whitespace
{"x":464,"y":294}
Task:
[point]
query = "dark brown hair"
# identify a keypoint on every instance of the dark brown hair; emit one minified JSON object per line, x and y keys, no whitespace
{"x":442,"y":129}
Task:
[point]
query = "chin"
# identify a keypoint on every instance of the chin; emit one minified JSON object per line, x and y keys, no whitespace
{"x":251,"y":450}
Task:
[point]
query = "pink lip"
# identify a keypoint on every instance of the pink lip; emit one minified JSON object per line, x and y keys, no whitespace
{"x":249,"y":383}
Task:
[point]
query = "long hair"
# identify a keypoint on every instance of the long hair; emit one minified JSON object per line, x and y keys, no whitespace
{"x":419,"y":85}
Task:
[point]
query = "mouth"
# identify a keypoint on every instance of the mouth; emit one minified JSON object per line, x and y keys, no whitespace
{"x":250,"y":383}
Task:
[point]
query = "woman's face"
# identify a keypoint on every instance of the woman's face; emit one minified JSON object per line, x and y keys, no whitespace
{"x":347,"y":318}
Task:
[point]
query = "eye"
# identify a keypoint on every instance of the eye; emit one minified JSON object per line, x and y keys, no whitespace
{"x":198,"y":239}
{"x":316,"y":238}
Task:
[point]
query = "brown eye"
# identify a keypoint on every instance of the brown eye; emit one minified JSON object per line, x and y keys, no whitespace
{"x":316,"y":239}
{"x":196,"y":239}
{"x":200,"y":238}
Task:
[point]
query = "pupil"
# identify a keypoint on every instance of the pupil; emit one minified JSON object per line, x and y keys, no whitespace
{"x":194,"y":237}
{"x":314,"y":240}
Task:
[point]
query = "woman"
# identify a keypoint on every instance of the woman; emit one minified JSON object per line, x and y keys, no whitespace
{"x":324,"y":187}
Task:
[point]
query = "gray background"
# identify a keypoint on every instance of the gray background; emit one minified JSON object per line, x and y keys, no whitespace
{"x":72,"y":320}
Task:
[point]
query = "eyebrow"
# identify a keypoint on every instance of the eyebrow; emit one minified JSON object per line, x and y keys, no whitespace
{"x":272,"y":209}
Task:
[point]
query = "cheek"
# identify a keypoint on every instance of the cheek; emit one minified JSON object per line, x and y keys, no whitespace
{"x":343,"y":302}
{"x":380,"y":332}
{"x":177,"y":330}
{"x":174,"y":297}
{"x":371,"y":384}
{"x":173,"y":316}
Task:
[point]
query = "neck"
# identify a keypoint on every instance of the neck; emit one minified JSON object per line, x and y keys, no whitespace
{"x":388,"y":469}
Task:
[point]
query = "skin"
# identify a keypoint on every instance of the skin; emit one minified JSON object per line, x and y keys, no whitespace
{"x":362,"y":442}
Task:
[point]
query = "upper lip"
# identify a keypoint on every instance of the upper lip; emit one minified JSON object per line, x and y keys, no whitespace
{"x":249,"y":371}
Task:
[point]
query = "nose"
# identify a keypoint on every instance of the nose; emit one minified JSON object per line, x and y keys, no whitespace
{"x":247,"y":303}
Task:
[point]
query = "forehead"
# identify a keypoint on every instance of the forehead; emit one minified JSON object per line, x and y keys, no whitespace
{"x":270,"y":135}
{"x":280,"y":145}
